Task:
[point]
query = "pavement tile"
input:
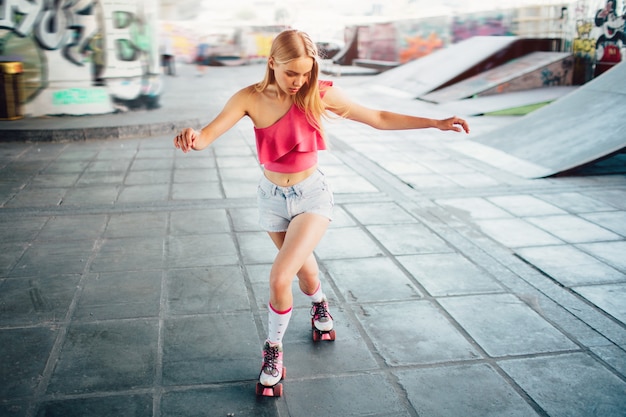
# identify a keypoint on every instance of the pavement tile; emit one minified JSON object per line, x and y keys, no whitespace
{"x":245,"y":219}
{"x":352,"y":395}
{"x":129,"y":254}
{"x":136,"y":225}
{"x":371,"y":280}
{"x":144,"y":193}
{"x":89,"y":178}
{"x":118,"y":295}
{"x":610,"y":252}
{"x":569,"y":385}
{"x":148,"y":177}
{"x":240,"y":189}
{"x":380,"y":213}
{"x":198,"y":222}
{"x":206,"y":290}
{"x":465,"y":390}
{"x":106,"y":356}
{"x":45,"y":258}
{"x":409,"y":333}
{"x":201,"y":250}
{"x":516,"y":233}
{"x":224,"y":400}
{"x":449,"y":274}
{"x":474,"y":208}
{"x":333,"y":244}
{"x":21,"y":228}
{"x":609,"y":297}
{"x":616,"y":198}
{"x":525,"y":205}
{"x":407,"y":239}
{"x":195,"y":191}
{"x":614,"y":221}
{"x":114,"y":405}
{"x":256,"y":247}
{"x":10,"y":254}
{"x":570,"y":266}
{"x":92,"y":195}
{"x":79,"y":227}
{"x":24,"y":353}
{"x":573,"y":229}
{"x":504,"y":326}
{"x":217,"y":348}
{"x":36,"y":197}
{"x":575,"y":202}
{"x":29,"y":301}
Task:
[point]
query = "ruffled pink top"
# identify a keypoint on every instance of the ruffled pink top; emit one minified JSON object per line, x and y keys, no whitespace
{"x":291,"y":144}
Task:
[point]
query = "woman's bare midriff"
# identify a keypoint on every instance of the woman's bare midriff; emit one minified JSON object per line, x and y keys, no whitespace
{"x":283,"y":179}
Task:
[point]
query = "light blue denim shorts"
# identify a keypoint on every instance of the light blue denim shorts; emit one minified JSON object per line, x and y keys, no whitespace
{"x":279,"y":205}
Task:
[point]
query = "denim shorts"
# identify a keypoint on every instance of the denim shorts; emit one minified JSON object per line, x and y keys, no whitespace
{"x":279,"y":205}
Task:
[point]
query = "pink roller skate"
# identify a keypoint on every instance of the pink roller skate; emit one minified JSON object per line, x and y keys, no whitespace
{"x":272,"y":371}
{"x":322,"y":322}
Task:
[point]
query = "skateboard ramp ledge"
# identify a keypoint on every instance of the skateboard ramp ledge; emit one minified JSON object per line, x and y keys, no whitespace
{"x":581,"y":128}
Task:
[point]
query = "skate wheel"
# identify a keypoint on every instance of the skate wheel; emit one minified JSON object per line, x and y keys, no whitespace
{"x":320,"y":335}
{"x":273,"y":391}
{"x":316,"y":336}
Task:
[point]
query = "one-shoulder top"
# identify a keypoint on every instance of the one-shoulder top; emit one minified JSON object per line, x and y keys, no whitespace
{"x":291,"y":144}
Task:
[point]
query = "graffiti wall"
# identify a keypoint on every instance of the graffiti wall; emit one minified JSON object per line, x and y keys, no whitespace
{"x":83,"y":56}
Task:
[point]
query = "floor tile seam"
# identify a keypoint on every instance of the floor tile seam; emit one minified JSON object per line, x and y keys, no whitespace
{"x":510,"y":190}
{"x":253,"y":302}
{"x":139,"y":207}
{"x":63,"y":329}
{"x":378,"y":357}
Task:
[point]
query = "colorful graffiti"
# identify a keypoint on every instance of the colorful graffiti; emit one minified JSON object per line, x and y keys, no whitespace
{"x":82,"y":56}
{"x":480,"y":24}
{"x":420,"y":38}
{"x":612,"y":38}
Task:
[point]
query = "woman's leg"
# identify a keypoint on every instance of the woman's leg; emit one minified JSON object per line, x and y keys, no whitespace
{"x":295,"y":257}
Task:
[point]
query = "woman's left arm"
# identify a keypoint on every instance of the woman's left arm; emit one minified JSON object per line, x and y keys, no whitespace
{"x":337,"y":102}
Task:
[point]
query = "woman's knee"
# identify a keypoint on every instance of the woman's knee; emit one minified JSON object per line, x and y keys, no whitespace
{"x":280,"y":283}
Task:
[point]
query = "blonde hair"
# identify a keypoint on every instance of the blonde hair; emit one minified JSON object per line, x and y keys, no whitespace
{"x":294,"y":44}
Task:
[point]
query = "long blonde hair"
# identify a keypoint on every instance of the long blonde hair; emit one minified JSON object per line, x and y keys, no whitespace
{"x":289,"y":45}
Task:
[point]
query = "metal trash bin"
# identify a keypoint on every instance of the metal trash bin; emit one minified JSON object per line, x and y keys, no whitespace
{"x":11,"y":90}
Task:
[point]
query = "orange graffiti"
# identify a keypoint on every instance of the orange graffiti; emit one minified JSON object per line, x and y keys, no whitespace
{"x":419,"y":47}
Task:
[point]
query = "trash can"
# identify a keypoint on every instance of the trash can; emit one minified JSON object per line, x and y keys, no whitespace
{"x":11,"y":90}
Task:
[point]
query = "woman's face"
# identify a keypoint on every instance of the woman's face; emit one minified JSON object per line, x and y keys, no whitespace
{"x":292,"y":75}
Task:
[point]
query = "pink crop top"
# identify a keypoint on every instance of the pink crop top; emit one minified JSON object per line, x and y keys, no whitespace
{"x":291,"y":144}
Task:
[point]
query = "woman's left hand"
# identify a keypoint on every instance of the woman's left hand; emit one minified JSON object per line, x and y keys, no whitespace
{"x":455,"y":124}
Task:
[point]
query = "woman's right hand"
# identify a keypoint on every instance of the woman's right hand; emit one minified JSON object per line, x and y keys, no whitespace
{"x":185,"y":140}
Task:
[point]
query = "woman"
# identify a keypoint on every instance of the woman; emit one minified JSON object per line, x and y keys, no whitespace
{"x":295,"y":202}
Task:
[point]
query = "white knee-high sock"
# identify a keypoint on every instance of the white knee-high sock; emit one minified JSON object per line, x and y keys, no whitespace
{"x":277,"y":322}
{"x":317,"y":296}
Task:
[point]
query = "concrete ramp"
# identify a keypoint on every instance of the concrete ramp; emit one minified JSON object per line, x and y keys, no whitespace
{"x":534,"y":70}
{"x":455,"y":63}
{"x":583,"y":127}
{"x":506,"y":101}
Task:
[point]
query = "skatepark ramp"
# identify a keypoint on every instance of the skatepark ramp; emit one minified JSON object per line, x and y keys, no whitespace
{"x":582,"y":127}
{"x":534,"y":70}
{"x":455,"y":63}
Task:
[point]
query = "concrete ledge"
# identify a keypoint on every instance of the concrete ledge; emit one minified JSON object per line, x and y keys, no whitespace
{"x":93,"y":133}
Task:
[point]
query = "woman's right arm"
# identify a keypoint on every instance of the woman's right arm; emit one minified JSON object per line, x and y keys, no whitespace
{"x":233,"y":111}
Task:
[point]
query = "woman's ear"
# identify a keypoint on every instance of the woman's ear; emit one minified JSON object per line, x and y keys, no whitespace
{"x":270,"y":62}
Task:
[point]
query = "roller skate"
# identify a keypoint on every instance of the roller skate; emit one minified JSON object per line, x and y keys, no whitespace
{"x":272,"y":371}
{"x":322,"y":322}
